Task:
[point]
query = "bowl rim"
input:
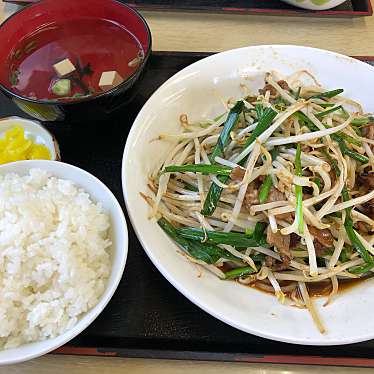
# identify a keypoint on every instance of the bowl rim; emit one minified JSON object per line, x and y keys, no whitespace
{"x":93,"y":313}
{"x":89,"y":98}
{"x":134,"y":130}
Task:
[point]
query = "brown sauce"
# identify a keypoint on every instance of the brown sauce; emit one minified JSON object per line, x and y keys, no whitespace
{"x":324,"y":289}
{"x":320,"y":289}
{"x":225,"y":267}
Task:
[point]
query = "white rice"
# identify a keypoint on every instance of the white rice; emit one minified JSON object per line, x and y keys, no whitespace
{"x":54,"y":260}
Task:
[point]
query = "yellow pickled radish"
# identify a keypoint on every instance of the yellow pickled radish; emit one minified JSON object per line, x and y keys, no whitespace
{"x":39,"y":152}
{"x":4,"y":158}
{"x":14,"y":133}
{"x":19,"y":146}
{"x":14,"y":146}
{"x":3,"y":144}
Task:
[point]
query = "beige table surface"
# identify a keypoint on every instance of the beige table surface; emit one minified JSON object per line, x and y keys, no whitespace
{"x":217,"y":32}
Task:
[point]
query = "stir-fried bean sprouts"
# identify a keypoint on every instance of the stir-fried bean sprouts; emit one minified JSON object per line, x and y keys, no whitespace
{"x":276,"y":193}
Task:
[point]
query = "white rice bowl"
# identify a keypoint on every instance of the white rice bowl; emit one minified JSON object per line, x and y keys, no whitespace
{"x":56,"y":256}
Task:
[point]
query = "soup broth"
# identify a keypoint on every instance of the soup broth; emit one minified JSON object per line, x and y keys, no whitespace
{"x":93,"y":46}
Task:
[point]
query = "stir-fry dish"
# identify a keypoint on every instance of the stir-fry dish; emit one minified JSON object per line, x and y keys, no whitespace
{"x":276,"y":193}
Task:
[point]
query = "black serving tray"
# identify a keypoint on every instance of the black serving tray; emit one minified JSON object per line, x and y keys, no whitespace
{"x":350,"y":8}
{"x":147,"y":316}
{"x":270,"y":7}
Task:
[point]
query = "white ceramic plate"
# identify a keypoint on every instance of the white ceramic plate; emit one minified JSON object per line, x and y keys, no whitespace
{"x":315,"y":4}
{"x":196,"y":91}
{"x":118,"y":234}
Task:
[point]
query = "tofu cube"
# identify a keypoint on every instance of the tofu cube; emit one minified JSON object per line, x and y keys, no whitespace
{"x":109,"y":79}
{"x":64,"y":68}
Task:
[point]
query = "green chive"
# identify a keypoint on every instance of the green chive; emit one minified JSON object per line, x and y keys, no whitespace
{"x":215,"y":191}
{"x":346,"y":151}
{"x":349,"y":139}
{"x":360,"y":121}
{"x":199,"y":168}
{"x":231,"y":122}
{"x":351,"y":233}
{"x":327,"y":94}
{"x":331,"y":161}
{"x":205,"y":252}
{"x":306,"y":121}
{"x":361,"y":269}
{"x":328,"y":111}
{"x":190,"y":187}
{"x":318,"y":182}
{"x":265,"y":189}
{"x":264,"y":122}
{"x":326,"y":105}
{"x":249,"y":231}
{"x":259,"y":234}
{"x":236,"y":239}
{"x":268,"y":182}
{"x":239,"y":272}
{"x":259,"y":111}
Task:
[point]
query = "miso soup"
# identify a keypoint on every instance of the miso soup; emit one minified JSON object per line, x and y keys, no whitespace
{"x":93,"y":46}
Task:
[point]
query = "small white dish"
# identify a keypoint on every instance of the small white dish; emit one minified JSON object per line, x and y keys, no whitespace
{"x":35,"y":131}
{"x":118,"y":235}
{"x":199,"y":91}
{"x":315,"y":4}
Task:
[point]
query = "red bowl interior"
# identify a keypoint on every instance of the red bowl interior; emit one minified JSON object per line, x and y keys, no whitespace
{"x":39,"y":15}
